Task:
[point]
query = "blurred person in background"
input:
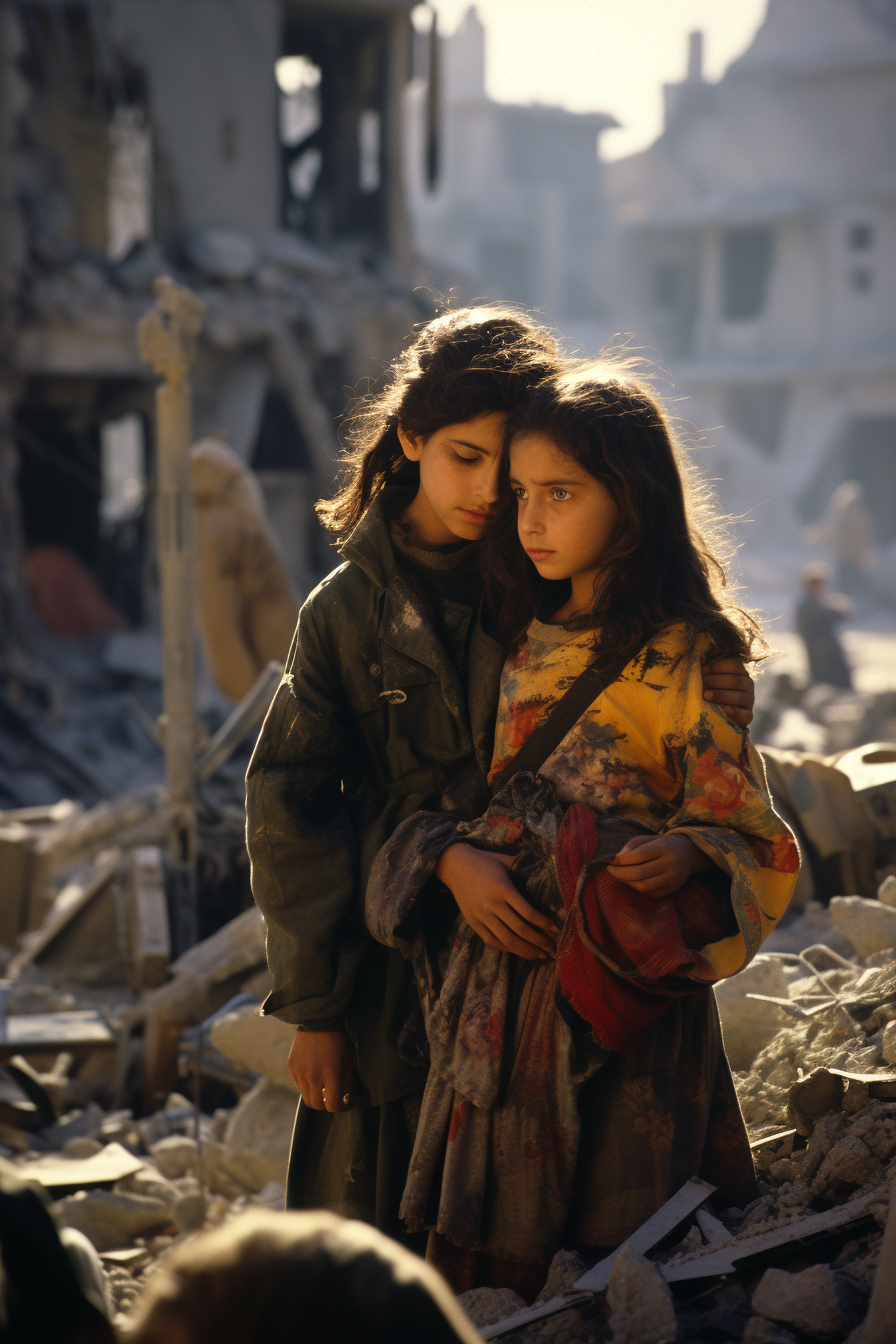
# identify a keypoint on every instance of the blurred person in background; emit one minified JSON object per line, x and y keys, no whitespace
{"x":818,"y":615}
{"x":274,"y":1278}
{"x":847,"y":529}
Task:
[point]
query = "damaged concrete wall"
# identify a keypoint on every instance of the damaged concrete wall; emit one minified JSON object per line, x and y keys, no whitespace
{"x":210,"y":80}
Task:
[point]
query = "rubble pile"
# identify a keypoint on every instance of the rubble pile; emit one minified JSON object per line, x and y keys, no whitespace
{"x":812,"y":1039}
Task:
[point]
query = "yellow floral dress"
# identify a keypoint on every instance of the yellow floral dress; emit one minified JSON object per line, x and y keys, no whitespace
{"x":532,"y":1133}
{"x":651,"y":750}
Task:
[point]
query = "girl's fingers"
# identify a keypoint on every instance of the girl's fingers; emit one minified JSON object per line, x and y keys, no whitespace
{"x":528,"y":912}
{"x":647,"y":872}
{"x":520,"y":947}
{"x":643,"y":854}
{"x":519,"y":926}
{"x":637,"y":842}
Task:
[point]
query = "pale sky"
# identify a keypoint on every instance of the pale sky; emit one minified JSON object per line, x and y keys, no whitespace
{"x":604,"y":55}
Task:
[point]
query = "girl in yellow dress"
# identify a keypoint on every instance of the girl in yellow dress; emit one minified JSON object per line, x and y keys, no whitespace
{"x":577,"y":1071}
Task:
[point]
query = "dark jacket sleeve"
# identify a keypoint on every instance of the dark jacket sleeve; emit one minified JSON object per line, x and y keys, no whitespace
{"x":301,"y":843}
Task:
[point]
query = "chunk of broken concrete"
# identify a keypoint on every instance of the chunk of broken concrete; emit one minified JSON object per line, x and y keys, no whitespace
{"x":849,"y":1162}
{"x":251,"y":1041}
{"x":111,"y":1220}
{"x":817,"y":1302}
{"x":869,"y":925}
{"x":175,"y":1156}
{"x":886,"y":892}
{"x":487,"y":1306}
{"x":640,"y":1301}
{"x":259,"y":1133}
{"x":749,"y":1024}
{"x":820,"y":1093}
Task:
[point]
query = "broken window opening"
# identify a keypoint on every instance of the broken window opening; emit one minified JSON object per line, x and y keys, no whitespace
{"x":860,"y":236}
{"x":747,"y":256}
{"x":298,"y":80}
{"x":122,"y":469}
{"x":129,"y":199}
{"x":369,"y":137}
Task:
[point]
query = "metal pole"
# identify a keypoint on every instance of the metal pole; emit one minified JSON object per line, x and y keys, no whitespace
{"x":167,"y":340}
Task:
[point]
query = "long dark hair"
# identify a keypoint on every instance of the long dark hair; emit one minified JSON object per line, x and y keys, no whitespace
{"x":467,"y":362}
{"x":662,"y":566}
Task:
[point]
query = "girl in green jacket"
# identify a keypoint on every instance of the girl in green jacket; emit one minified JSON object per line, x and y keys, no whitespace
{"x":387,"y":707}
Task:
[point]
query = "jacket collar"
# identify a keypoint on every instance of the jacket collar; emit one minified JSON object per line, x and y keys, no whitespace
{"x":406,"y":626}
{"x":369,"y":545}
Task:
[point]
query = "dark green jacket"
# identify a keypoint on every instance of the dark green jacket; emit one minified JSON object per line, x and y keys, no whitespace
{"x":369,"y":725}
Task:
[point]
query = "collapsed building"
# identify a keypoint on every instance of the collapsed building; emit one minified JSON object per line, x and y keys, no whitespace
{"x":756,"y":257}
{"x":252,"y":150}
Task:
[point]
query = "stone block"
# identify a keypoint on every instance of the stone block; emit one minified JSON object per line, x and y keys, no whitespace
{"x":251,"y":1041}
{"x":849,"y":1162}
{"x":175,"y":1155}
{"x":817,"y":1302}
{"x":110,"y":1219}
{"x":869,"y":925}
{"x":749,"y":1024}
{"x":259,"y":1133}
{"x":640,"y":1301}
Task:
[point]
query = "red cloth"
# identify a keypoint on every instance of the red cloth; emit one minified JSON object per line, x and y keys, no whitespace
{"x":66,"y":596}
{"x":619,"y":948}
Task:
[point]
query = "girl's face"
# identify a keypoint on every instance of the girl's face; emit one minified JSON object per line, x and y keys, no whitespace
{"x":459,"y":479}
{"x":565,"y":517}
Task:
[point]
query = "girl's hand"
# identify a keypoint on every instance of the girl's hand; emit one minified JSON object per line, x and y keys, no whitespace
{"x":728,"y":684}
{"x":657,"y":865}
{"x":320,"y":1064}
{"x":491,"y":904}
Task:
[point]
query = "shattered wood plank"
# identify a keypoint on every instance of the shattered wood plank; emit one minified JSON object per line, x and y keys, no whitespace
{"x":32,"y":1033}
{"x":72,"y":899}
{"x":717,"y":1261}
{"x":62,"y":1173}
{"x":683,"y":1202}
{"x":150,"y":937}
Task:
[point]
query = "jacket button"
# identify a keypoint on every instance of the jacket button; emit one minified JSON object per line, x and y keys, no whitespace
{"x":375,"y":669}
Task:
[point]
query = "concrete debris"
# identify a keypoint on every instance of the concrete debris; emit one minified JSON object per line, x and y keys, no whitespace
{"x":817,"y":1301}
{"x":259,"y":1133}
{"x":110,"y":1220}
{"x":748,"y":1024}
{"x":869,"y":925}
{"x":255,"y":1042}
{"x":175,"y":1156}
{"x":486,"y":1306}
{"x":761,"y":1331}
{"x":640,"y":1302}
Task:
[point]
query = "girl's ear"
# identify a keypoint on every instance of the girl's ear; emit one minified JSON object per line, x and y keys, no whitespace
{"x":411,"y":445}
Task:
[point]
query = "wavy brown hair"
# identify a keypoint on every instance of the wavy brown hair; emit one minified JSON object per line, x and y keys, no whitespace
{"x":465,"y":363}
{"x":663,"y":564}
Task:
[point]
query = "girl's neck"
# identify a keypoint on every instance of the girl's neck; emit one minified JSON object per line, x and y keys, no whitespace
{"x":425,"y":529}
{"x":583,"y":588}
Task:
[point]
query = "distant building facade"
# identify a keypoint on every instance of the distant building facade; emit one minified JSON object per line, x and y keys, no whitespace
{"x":513,"y":206}
{"x":757,"y":256}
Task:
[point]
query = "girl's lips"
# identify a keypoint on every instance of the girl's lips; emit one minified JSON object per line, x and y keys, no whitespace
{"x":534,"y":553}
{"x":472,"y":516}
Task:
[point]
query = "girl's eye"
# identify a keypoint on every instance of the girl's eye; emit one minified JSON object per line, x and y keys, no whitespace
{"x":561,"y":494}
{"x":519,"y":492}
{"x":462,"y":458}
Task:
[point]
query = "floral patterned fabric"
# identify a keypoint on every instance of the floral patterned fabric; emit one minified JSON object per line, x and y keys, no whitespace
{"x":524,"y":1109}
